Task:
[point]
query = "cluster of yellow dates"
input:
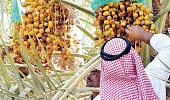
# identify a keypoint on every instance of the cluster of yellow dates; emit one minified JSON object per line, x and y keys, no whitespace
{"x":112,"y":19}
{"x":50,"y":22}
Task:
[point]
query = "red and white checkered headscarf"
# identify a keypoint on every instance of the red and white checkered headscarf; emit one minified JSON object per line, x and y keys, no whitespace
{"x":124,"y":78}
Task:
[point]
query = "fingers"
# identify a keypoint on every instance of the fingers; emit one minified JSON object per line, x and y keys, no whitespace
{"x":128,"y":26}
{"x":128,"y":31}
{"x":132,"y":26}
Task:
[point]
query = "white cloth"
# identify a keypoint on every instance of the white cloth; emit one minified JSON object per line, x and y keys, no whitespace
{"x":97,"y":97}
{"x":157,"y":72}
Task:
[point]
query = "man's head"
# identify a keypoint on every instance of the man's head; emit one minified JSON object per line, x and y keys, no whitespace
{"x":93,"y":78}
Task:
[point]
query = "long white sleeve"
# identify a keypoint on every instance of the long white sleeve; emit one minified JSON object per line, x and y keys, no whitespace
{"x":157,"y":72}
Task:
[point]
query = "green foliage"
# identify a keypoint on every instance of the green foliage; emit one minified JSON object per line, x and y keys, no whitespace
{"x":15,"y":16}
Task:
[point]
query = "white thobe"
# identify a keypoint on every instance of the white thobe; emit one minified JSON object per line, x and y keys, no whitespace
{"x":157,"y":70}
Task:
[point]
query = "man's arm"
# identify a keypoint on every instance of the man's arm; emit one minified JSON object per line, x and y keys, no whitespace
{"x":160,"y":42}
{"x":139,"y":33}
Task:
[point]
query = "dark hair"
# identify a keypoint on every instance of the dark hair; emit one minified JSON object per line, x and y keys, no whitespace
{"x":166,"y":31}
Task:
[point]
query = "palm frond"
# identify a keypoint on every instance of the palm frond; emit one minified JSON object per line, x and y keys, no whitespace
{"x":86,"y":32}
{"x":89,"y":12}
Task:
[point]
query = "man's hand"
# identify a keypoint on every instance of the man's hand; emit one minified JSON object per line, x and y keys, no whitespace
{"x":138,"y":33}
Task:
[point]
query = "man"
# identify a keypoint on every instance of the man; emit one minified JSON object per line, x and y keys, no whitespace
{"x":122,"y":72}
{"x":93,"y":80}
